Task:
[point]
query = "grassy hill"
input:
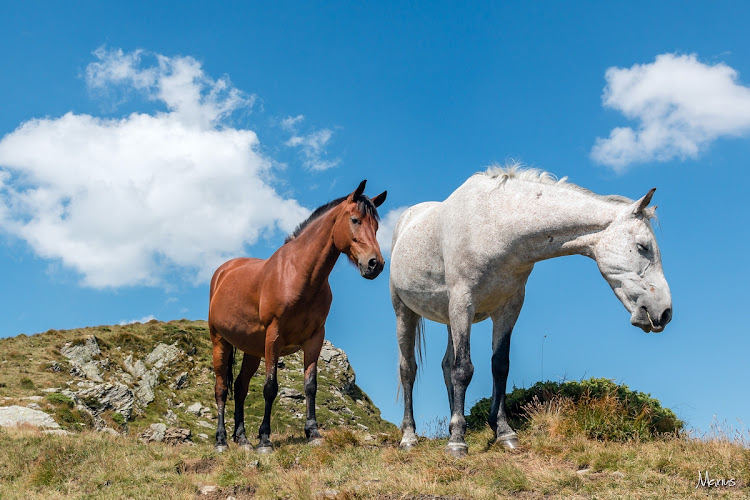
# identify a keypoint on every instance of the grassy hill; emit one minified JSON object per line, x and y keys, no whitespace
{"x":359,"y":458}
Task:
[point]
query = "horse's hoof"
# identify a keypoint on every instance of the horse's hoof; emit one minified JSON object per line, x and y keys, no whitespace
{"x":246,"y":447}
{"x":221,"y":448}
{"x":458,"y":450}
{"x":407,"y":445}
{"x":508,"y":442}
{"x":265,"y":449}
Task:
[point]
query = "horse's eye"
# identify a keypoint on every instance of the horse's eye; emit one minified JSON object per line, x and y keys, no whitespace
{"x":355,"y":220}
{"x":642,"y":248}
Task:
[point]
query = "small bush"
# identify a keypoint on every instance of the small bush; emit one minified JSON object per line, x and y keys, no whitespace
{"x":597,"y":407}
{"x":58,"y":398}
{"x":118,"y":418}
{"x":27,"y":383}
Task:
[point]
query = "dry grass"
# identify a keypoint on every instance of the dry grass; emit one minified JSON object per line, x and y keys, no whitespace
{"x":353,"y":465}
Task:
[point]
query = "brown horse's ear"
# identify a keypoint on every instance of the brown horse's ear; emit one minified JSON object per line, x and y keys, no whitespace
{"x":641,"y":204}
{"x":379,"y":199}
{"x":358,"y":192}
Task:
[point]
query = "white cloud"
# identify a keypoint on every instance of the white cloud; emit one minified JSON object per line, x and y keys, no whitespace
{"x":144,"y":319}
{"x":311,"y":145}
{"x":386,"y":227}
{"x":125,"y":201}
{"x":681,"y":104}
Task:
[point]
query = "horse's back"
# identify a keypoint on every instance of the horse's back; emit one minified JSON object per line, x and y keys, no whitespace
{"x":223,"y":270}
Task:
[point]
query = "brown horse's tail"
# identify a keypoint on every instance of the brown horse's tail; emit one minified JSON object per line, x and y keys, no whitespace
{"x":230,"y":371}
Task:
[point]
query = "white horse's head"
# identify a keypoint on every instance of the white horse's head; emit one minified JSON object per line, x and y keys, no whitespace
{"x":629,"y":259}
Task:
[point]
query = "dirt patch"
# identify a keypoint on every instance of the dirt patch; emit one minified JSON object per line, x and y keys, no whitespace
{"x":216,"y":493}
{"x":196,"y":466}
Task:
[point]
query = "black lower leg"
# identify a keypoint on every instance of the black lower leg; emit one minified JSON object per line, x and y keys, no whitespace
{"x":498,"y":419}
{"x":270,"y":389}
{"x":311,"y":387}
{"x":221,"y":432}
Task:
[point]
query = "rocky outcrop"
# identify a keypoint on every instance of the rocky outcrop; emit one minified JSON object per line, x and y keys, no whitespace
{"x":81,"y":358}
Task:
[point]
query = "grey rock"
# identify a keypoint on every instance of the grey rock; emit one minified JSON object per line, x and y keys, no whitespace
{"x":136,"y":369}
{"x":109,"y":430}
{"x":115,"y":397}
{"x":34,"y":406}
{"x":144,"y":393}
{"x":16,"y":415}
{"x":59,"y":432}
{"x":155,"y":432}
{"x":177,"y":435}
{"x":170,"y":416}
{"x":180,"y":381}
{"x":81,"y":353}
{"x":54,"y":366}
{"x":289,"y":393}
{"x":89,"y":370}
{"x":162,"y":355}
{"x":203,"y":423}
{"x":194,"y":408}
{"x":207,"y":489}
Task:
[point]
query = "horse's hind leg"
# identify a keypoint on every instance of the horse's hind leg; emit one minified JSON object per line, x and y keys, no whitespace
{"x":502,"y":327}
{"x":311,"y":350}
{"x":461,"y":312}
{"x":270,"y":388}
{"x":407,"y":322}
{"x":222,"y":353}
{"x":249,"y":366}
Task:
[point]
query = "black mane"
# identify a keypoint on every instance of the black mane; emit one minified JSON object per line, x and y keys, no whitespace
{"x":365,"y":205}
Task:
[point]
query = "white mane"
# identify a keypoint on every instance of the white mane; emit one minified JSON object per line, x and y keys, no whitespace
{"x":516,"y":171}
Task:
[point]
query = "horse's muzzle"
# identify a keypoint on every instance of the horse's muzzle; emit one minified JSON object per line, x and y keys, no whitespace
{"x":372,"y":270}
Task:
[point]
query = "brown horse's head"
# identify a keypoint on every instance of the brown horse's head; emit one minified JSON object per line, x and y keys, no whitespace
{"x":355,"y":228}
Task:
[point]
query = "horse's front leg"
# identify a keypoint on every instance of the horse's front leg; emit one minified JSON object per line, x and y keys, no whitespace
{"x":502,"y":327}
{"x":249,"y":366}
{"x":270,"y":388}
{"x":461,"y":312}
{"x":311,"y":350}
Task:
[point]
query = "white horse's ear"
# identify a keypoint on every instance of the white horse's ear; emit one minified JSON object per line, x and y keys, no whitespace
{"x":640,"y":205}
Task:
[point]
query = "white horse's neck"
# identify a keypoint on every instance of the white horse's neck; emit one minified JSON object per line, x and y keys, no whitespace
{"x":551,"y":220}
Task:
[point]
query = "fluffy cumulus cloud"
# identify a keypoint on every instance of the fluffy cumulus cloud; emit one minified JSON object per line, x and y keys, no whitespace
{"x":311,"y":145}
{"x":386,"y":227}
{"x":126,"y":201}
{"x":681,"y":105}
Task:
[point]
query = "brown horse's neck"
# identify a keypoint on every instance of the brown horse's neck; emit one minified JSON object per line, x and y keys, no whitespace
{"x":315,"y":251}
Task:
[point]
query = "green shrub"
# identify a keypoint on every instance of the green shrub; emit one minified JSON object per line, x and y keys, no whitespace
{"x":59,"y":398}
{"x":118,"y":418}
{"x":601,"y":409}
{"x":27,"y":383}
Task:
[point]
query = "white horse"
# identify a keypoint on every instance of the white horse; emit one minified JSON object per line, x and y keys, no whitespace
{"x":468,"y":259}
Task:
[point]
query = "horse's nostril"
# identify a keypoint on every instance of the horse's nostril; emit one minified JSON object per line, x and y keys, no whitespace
{"x":372,"y":264}
{"x":666,"y":317}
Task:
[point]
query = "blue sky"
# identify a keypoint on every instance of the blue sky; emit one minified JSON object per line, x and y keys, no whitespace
{"x":141,"y":145}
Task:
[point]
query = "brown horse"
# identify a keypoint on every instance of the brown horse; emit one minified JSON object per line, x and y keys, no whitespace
{"x":274,"y":307}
